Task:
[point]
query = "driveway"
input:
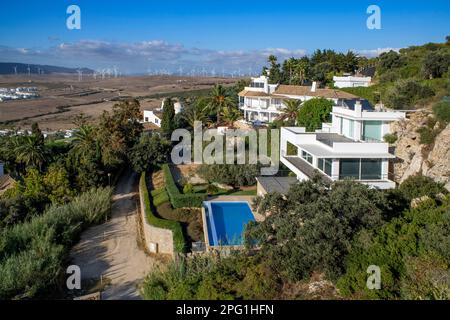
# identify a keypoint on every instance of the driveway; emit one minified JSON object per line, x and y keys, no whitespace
{"x":111,"y":250}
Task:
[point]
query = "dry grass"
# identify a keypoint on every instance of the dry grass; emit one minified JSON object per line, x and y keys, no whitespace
{"x":63,"y":97}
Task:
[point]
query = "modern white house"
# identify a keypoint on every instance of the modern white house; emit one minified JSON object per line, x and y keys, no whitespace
{"x":349,"y":147}
{"x":264,"y":102}
{"x":351,"y":81}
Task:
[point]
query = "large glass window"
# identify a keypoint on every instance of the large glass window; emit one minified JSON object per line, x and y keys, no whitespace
{"x":325,"y":165}
{"x":360,"y":169}
{"x":371,"y":169}
{"x":349,"y":168}
{"x":308,"y":157}
{"x":372,"y":130}
{"x":347,"y":127}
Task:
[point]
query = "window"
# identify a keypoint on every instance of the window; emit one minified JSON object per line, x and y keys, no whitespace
{"x":325,"y":165}
{"x":349,"y":168}
{"x":372,"y":130}
{"x":306,"y":156}
{"x":156,"y":120}
{"x":146,"y":119}
{"x":371,"y":169}
{"x":257,"y":84}
{"x":347,"y":127}
{"x":360,"y":169}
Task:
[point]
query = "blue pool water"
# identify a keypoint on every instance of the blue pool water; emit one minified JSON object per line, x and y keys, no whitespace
{"x":226,"y":222}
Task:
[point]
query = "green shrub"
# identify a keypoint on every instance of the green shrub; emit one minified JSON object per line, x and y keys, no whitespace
{"x":230,"y":174}
{"x":418,"y":186}
{"x":314,"y":112}
{"x":441,"y":111}
{"x":188,"y":188}
{"x":160,"y":199}
{"x":427,"y":135}
{"x":404,"y":94}
{"x":32,"y":253}
{"x":157,"y":192}
{"x":178,"y":199}
{"x":390,"y":138}
{"x":177,"y":233}
{"x":212,"y":189}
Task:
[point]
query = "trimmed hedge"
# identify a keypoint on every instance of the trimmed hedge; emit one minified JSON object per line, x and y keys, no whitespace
{"x":161,"y":198}
{"x":178,"y":199}
{"x":179,"y":244}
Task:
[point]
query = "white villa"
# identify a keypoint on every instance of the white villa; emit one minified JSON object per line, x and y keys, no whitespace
{"x":263,"y":102}
{"x":351,"y":81}
{"x":155,"y":116}
{"x":349,"y":147}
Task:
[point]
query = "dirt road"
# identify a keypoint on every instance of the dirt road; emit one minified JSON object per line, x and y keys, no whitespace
{"x":111,"y":249}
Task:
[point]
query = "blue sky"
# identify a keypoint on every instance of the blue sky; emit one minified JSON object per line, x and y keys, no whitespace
{"x":147,"y":34}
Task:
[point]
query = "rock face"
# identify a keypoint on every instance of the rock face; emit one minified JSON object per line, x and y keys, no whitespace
{"x":413,"y":157}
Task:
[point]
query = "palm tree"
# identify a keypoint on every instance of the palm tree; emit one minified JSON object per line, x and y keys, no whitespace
{"x":194,"y":113}
{"x":31,"y":151}
{"x":230,"y":115}
{"x":219,"y":99}
{"x":290,"y":112}
{"x":85,"y":142}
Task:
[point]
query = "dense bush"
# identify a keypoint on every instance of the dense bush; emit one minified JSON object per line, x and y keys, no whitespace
{"x":179,"y":243}
{"x":234,"y":175}
{"x":32,"y":253}
{"x":150,"y":152}
{"x":390,"y":138}
{"x":210,"y":278}
{"x":418,"y":186}
{"x":312,"y":227}
{"x":404,"y":94}
{"x":412,"y":252}
{"x":441,"y":111}
{"x":313,"y":113}
{"x":178,"y":199}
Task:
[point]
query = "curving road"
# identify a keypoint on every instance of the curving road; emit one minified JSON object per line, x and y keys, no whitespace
{"x":112,"y":250}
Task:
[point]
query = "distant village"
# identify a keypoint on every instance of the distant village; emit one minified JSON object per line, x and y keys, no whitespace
{"x":18,"y":93}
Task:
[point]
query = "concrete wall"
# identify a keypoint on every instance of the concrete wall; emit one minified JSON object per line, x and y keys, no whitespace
{"x":163,"y":238}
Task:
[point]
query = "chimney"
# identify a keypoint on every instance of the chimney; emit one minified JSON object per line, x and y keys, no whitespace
{"x":1,"y":169}
{"x":314,"y":86}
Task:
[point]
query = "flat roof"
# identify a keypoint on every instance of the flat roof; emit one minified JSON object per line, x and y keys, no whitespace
{"x":276,"y":184}
{"x":330,"y":138}
{"x":323,"y":152}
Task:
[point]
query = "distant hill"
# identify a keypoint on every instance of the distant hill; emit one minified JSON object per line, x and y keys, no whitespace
{"x":8,"y":68}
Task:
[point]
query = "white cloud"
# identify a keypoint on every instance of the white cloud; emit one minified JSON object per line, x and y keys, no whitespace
{"x":140,"y":56}
{"x":371,"y":53}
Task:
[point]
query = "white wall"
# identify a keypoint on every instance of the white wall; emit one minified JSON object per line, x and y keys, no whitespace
{"x":149,"y":116}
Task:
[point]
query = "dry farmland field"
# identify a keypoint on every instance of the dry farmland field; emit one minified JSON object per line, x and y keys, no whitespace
{"x":63,"y":97}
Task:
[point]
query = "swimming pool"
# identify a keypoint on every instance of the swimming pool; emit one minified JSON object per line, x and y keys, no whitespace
{"x":226,"y":222}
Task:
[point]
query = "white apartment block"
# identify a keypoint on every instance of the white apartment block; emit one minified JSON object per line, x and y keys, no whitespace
{"x":264,"y":102}
{"x":351,"y":82}
{"x":350,"y":147}
{"x":155,"y":116}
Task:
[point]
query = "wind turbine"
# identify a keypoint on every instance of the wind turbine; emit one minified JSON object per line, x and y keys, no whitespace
{"x":15,"y":70}
{"x":80,"y":75}
{"x":29,"y":70}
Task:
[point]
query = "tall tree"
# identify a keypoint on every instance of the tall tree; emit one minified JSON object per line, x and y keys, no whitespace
{"x":274,"y":70}
{"x":218,"y":100}
{"x":291,"y":111}
{"x":31,"y":151}
{"x":167,"y":122}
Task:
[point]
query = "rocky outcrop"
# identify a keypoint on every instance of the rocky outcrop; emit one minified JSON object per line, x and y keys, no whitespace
{"x":415,"y":158}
